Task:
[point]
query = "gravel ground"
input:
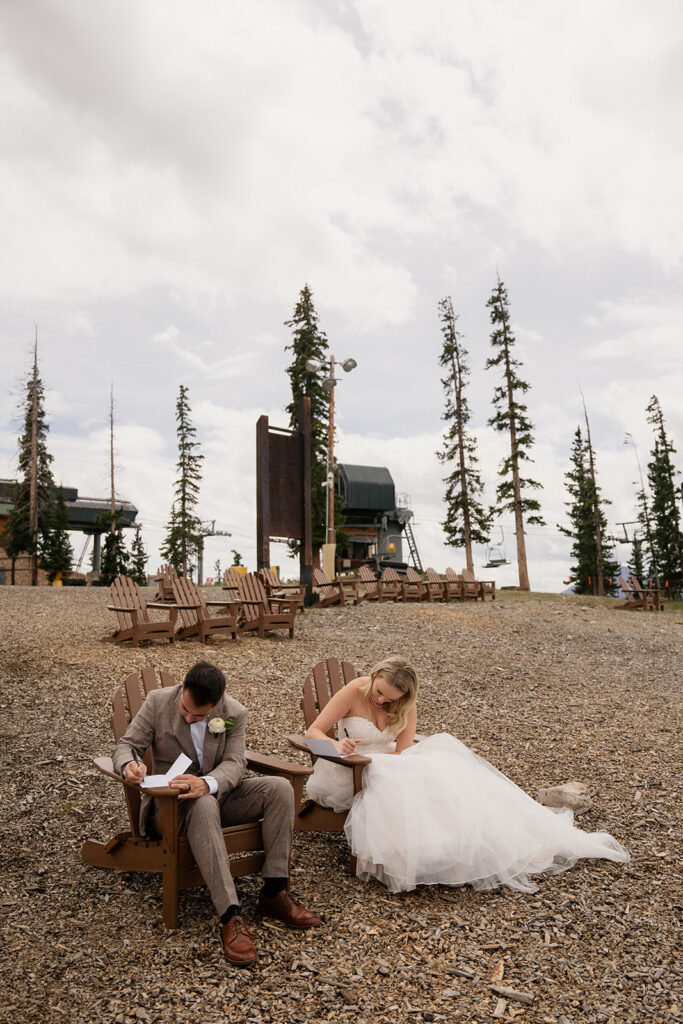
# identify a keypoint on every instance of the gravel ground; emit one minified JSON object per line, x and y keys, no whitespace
{"x":548,"y":688}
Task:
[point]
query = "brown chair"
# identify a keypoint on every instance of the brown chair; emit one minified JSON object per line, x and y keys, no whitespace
{"x":392,"y":584}
{"x":436,"y":587}
{"x":133,"y":618}
{"x":412,"y":586}
{"x":257,"y":612}
{"x":326,"y":679}
{"x":164,"y":581}
{"x":454,"y":586}
{"x":170,"y":855}
{"x":195,"y":615}
{"x":339,"y":591}
{"x":477,"y":588}
{"x":652,"y":597}
{"x":375,"y":590}
{"x":274,"y":588}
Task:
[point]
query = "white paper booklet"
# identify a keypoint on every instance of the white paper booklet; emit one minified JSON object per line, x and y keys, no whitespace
{"x":177,"y":768}
{"x":319,"y":747}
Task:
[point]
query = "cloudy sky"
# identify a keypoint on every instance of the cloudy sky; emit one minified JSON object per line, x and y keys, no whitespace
{"x":173,"y":173}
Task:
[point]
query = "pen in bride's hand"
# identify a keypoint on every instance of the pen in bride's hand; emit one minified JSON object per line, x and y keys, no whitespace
{"x":346,"y":732}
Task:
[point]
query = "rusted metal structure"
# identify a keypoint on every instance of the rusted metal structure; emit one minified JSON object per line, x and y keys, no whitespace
{"x":283,"y":490}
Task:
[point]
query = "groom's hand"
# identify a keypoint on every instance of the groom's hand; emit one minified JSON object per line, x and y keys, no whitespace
{"x":190,"y":786}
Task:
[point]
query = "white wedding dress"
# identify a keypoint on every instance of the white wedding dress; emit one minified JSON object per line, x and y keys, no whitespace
{"x":440,"y":814}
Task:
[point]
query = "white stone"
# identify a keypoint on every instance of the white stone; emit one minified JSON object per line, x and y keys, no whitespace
{"x":572,"y":794}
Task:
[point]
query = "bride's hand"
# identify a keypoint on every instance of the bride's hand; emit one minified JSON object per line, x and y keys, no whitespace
{"x":347,"y":745}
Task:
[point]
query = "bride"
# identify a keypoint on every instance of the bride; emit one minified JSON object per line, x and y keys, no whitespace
{"x":438,"y":813}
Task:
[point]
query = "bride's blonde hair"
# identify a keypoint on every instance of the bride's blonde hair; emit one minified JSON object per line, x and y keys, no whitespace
{"x":402,"y":676}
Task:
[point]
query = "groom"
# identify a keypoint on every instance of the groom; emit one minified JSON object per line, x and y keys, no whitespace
{"x":198,"y":718}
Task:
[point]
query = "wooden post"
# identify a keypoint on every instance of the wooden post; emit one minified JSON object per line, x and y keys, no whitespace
{"x":33,"y":487}
{"x":306,"y":551}
{"x":262,"y":494}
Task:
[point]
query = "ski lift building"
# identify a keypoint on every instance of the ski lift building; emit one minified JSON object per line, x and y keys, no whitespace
{"x":376,"y":521}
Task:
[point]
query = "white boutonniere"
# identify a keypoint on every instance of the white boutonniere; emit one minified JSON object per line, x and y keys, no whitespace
{"x":219,"y":725}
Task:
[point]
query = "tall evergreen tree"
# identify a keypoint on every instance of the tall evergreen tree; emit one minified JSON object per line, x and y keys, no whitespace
{"x":667,"y":539}
{"x":636,"y":566}
{"x":34,"y":492}
{"x":511,"y":417}
{"x":310,"y":342}
{"x":55,"y":554}
{"x":138,"y":558}
{"x":467,"y":522}
{"x":592,"y":551}
{"x":115,"y":559}
{"x":183,"y":533}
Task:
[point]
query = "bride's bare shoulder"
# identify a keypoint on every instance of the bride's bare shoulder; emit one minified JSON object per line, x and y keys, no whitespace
{"x":359,"y":681}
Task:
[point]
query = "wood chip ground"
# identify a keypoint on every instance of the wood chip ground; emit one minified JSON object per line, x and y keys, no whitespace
{"x":548,"y":688}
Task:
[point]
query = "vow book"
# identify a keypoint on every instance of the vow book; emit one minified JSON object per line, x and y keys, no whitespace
{"x":177,"y":768}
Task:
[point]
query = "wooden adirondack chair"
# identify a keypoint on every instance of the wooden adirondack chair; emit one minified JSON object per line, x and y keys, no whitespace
{"x":393,"y":584}
{"x":454,"y":586}
{"x":436,"y":587}
{"x":633,"y":600}
{"x":134,"y":621}
{"x":376,"y":590}
{"x":326,"y":679}
{"x":412,"y":586}
{"x":274,"y":588}
{"x":170,"y":855}
{"x":164,"y":581}
{"x":195,"y":616}
{"x":652,"y":597}
{"x":258,"y":612}
{"x":477,"y":588}
{"x":339,"y":591}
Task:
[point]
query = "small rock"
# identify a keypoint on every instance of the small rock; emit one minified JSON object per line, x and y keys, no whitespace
{"x":572,"y":794}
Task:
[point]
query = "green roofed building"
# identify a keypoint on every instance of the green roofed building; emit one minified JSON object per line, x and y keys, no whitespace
{"x":377,"y":521}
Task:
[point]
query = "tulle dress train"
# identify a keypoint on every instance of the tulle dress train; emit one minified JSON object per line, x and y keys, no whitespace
{"x":440,"y":814}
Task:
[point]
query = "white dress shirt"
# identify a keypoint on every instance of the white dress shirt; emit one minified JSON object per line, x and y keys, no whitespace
{"x":198,"y":733}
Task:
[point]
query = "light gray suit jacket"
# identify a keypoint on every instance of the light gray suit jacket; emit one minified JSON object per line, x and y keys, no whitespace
{"x":159,"y":725}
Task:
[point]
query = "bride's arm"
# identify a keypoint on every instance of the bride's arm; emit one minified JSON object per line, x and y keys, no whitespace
{"x":337,"y":707}
{"x":406,"y":738}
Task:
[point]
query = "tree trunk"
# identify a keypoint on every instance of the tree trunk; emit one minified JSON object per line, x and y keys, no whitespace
{"x":467,"y":533}
{"x":33,"y":499}
{"x":517,"y":494}
{"x":596,"y":509}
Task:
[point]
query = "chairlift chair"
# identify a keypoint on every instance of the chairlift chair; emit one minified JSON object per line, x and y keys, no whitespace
{"x":496,"y":554}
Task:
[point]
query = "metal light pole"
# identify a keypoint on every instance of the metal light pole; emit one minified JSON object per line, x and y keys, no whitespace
{"x":328,"y":385}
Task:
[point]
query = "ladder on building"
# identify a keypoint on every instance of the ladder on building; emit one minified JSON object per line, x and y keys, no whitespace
{"x":412,"y":547}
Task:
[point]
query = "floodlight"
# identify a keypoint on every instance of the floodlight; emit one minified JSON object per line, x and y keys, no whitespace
{"x":349,"y":364}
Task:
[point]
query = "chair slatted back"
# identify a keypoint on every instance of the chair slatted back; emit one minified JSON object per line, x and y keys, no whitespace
{"x":251,"y":589}
{"x":323,"y":582}
{"x":392,"y":581}
{"x":269,"y":576}
{"x":125,"y":593}
{"x":453,"y":583}
{"x":470,"y":585}
{"x":369,"y":581}
{"x":435,"y":583}
{"x":125,"y":703}
{"x":325,"y":679}
{"x":188,"y":593}
{"x":231,"y":579}
{"x":164,"y":578}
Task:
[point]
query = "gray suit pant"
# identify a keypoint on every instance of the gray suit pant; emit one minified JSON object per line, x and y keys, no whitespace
{"x":203,"y":819}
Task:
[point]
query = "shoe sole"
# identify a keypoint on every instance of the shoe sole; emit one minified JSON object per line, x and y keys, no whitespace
{"x":241,"y":963}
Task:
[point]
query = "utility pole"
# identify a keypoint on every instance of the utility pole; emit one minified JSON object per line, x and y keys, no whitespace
{"x":33,"y":488}
{"x":208,"y":529}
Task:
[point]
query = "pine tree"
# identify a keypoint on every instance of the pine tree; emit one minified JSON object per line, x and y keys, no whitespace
{"x":183,"y":533}
{"x":591,"y":550}
{"x":667,"y":539}
{"x":55,"y":554}
{"x":511,"y":417}
{"x":115,"y":559}
{"x":138,"y":558}
{"x":637,"y":564}
{"x":34,"y":492}
{"x":467,"y":521}
{"x":309,"y":342}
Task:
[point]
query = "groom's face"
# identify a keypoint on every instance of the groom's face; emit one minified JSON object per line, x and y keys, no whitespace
{"x":190,"y":711}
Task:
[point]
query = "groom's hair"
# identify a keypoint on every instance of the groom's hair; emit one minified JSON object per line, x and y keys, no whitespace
{"x":206,"y":683}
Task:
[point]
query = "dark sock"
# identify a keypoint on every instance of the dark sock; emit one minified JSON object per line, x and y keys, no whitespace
{"x":232,"y":911}
{"x":273,"y":886}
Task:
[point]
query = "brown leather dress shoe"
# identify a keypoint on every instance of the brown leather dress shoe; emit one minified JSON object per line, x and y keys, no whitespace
{"x":288,"y":910}
{"x":237,"y":944}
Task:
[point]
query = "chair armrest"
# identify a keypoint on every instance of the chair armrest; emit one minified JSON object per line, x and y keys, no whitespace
{"x":162,"y":604}
{"x":122,"y":608}
{"x":353,"y":759}
{"x":270,"y":765}
{"x":223,"y":604}
{"x":106,"y":766}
